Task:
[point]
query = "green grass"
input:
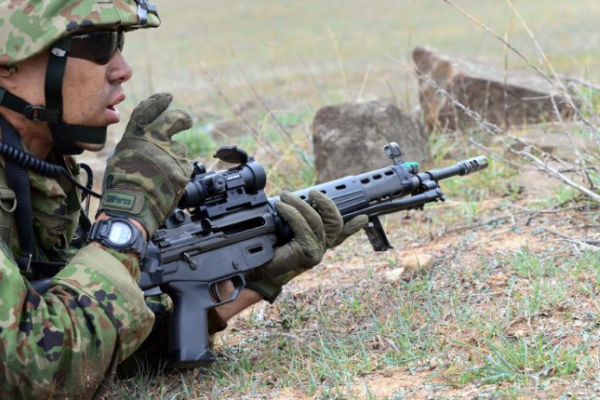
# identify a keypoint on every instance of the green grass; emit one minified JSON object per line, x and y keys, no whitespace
{"x":528,"y":264}
{"x":523,"y":361}
{"x":198,"y":142}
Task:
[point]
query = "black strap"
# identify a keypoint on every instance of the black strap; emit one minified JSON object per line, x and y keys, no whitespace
{"x":18,"y":180}
{"x":47,"y":268}
{"x":34,"y":113}
{"x":55,"y":73}
{"x":86,"y":134}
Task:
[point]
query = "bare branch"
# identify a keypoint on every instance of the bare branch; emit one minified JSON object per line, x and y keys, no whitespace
{"x":591,"y":243}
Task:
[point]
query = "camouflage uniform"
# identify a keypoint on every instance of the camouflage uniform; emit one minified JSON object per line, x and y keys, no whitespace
{"x":61,"y":344}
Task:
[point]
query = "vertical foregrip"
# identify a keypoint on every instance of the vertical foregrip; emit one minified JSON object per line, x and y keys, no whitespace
{"x":188,"y":339}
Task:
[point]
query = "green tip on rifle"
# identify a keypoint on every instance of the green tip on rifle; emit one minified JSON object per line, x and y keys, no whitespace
{"x":412,"y":167}
{"x":410,"y":164}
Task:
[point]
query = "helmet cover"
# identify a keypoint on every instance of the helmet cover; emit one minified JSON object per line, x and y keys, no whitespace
{"x":28,"y":27}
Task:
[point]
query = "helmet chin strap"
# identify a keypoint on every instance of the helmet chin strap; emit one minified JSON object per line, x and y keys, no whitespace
{"x":64,"y":135}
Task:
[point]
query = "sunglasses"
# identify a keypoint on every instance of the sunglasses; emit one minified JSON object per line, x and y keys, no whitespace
{"x":98,"y":46}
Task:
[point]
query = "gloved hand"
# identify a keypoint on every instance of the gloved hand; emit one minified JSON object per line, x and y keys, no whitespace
{"x":146,"y":176}
{"x":317,"y":226}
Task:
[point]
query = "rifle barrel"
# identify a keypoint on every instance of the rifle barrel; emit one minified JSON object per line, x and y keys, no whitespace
{"x":461,"y":168}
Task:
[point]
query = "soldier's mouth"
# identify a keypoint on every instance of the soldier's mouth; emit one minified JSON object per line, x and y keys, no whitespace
{"x":113,"y":114}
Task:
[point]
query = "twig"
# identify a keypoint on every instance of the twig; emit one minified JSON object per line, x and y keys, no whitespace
{"x":477,"y":224}
{"x":364,"y":83}
{"x":551,"y":211}
{"x":581,"y":82}
{"x":342,"y":66}
{"x":498,"y":155}
{"x":567,"y":95}
{"x":554,"y":173}
{"x":592,"y":243}
{"x":511,"y":216}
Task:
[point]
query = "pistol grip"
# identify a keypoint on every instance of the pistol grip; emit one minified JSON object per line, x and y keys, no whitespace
{"x":188,"y":339}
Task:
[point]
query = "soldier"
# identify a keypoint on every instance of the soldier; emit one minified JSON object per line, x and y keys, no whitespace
{"x":61,"y":71}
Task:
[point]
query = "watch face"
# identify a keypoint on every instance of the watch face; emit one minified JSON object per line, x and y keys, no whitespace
{"x":120,"y":233}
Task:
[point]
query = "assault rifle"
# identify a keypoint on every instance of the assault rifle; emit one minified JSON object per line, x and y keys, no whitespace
{"x":231,"y":227}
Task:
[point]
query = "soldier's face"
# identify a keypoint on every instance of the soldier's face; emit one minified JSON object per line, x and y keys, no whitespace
{"x":92,"y":91}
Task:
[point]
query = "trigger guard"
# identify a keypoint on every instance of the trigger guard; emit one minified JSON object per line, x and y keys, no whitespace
{"x":238,"y":282}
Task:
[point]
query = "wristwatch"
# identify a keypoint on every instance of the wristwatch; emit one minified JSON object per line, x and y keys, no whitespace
{"x":119,"y":234}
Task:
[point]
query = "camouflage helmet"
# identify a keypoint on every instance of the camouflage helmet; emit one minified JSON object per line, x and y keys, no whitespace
{"x":31,"y":26}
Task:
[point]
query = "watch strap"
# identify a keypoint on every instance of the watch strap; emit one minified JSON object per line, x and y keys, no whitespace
{"x":100,"y":233}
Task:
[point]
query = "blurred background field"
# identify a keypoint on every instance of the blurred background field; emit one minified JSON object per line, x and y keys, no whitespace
{"x":228,"y":62}
{"x":295,"y":49}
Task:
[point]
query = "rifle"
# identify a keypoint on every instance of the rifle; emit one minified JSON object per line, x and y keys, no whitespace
{"x":232,"y":227}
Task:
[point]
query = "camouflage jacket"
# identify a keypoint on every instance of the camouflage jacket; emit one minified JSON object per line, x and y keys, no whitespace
{"x":60,"y":344}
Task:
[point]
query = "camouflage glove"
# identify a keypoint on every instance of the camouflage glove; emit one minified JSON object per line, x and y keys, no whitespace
{"x":146,"y":176}
{"x":316,"y":228}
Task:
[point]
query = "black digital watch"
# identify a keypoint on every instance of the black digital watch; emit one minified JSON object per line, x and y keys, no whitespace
{"x":119,"y":234}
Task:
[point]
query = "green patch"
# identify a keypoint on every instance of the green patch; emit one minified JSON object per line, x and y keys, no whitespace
{"x":123,"y":201}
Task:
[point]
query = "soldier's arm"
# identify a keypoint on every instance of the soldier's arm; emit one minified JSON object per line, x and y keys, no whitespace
{"x":61,"y":344}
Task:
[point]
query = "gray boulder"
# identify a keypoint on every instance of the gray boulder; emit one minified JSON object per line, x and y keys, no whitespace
{"x":505,"y":98}
{"x":349,"y":138}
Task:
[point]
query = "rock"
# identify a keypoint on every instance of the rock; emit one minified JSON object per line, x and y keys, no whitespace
{"x":411,"y":266}
{"x":348,"y":138}
{"x":394,"y":275}
{"x":416,"y":264}
{"x":505,"y":98}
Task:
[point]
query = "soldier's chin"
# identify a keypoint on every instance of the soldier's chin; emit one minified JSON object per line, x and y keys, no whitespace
{"x":94,"y":147}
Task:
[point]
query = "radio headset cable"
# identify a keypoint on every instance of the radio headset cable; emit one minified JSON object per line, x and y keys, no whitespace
{"x":31,"y":162}
{"x":17,"y":163}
